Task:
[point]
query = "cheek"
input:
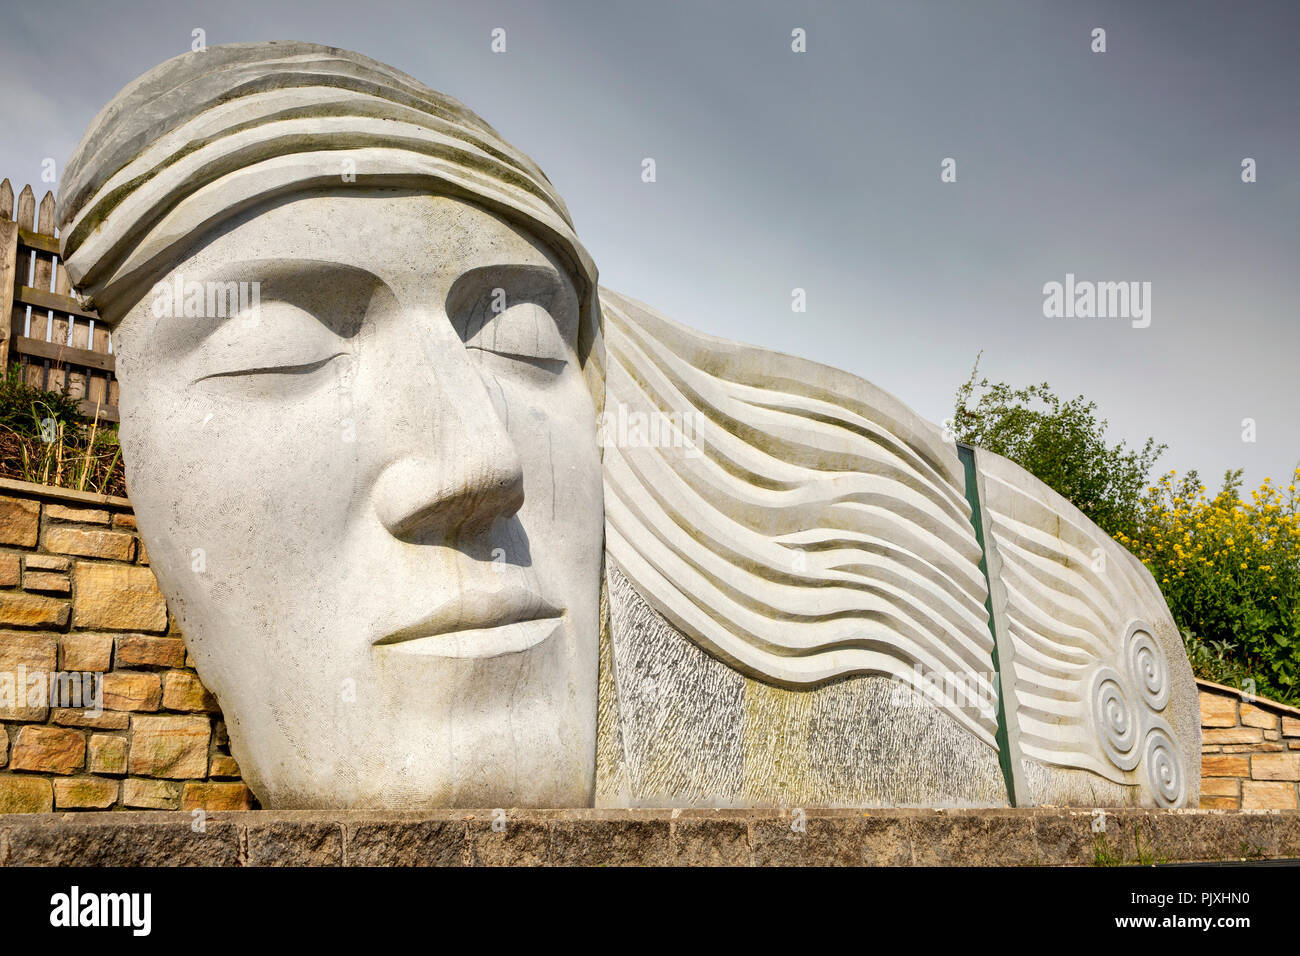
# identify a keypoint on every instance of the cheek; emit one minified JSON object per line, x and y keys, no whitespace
{"x":231,"y":477}
{"x":556,"y":439}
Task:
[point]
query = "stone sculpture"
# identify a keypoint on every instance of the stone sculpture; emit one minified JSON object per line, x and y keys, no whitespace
{"x":360,"y":343}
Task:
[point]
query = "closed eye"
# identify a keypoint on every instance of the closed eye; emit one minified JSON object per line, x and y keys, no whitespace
{"x":300,"y":317}
{"x":522,"y":313}
{"x":553,"y":365}
{"x":303,"y":369}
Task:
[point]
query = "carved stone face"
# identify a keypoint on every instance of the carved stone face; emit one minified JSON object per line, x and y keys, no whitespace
{"x":373,"y":499}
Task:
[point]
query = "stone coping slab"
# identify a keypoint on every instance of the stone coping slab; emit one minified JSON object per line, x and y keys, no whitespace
{"x":699,"y":837}
{"x":13,"y":486}
{"x":1266,"y":703}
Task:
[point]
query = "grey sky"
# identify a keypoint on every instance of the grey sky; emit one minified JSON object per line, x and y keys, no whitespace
{"x":821,"y":170}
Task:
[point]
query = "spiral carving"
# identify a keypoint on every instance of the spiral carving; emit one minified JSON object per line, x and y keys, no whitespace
{"x":1125,"y":708}
{"x":1148,"y":667}
{"x":1114,"y":717}
{"x":1164,"y":767}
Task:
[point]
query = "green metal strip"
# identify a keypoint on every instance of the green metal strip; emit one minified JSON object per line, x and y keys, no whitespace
{"x":967,"y":455}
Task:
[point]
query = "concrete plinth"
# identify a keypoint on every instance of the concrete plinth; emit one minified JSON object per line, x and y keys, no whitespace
{"x":649,"y":838}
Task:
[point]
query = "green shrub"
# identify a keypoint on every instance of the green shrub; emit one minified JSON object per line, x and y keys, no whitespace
{"x":24,"y":408}
{"x":1059,"y":442}
{"x":44,"y":440}
{"x":1230,"y":570}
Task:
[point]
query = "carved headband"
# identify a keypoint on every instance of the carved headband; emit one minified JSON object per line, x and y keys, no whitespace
{"x":208,"y":134}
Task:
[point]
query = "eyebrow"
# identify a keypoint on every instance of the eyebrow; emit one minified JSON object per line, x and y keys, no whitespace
{"x":468,"y":297}
{"x":547,"y":277}
{"x":282,"y":270}
{"x":310,"y":284}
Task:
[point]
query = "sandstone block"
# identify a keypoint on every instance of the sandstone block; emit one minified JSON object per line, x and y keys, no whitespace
{"x":151,"y":794}
{"x":1267,"y":795}
{"x":19,"y":609}
{"x":77,"y":513}
{"x":19,"y":521}
{"x":171,"y":747}
{"x":9,"y":570}
{"x":1219,"y":803}
{"x":146,"y":650}
{"x":48,"y":749}
{"x":216,"y":796}
{"x":183,"y":691}
{"x":1218,"y":710}
{"x":106,"y":754}
{"x":84,"y":793}
{"x":223,"y":765}
{"x":49,"y":582}
{"x":1252,"y":716}
{"x":90,"y":542}
{"x":132,"y":690}
{"x":1232,"y":735}
{"x":1219,"y":787}
{"x":1279,"y":766}
{"x":108,"y":720}
{"x":117,"y":597}
{"x":23,"y":656}
{"x":25,"y":794}
{"x":87,"y":652}
{"x":1223,"y":766}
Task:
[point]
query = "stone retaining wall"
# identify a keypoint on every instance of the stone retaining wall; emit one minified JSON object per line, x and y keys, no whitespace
{"x":77,"y":597}
{"x":651,"y":837}
{"x":1250,"y":751}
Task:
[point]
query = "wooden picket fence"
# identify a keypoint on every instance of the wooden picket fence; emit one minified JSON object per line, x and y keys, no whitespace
{"x":60,"y":345}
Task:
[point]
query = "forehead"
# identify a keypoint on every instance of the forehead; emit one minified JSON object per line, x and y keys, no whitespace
{"x":395,"y":235}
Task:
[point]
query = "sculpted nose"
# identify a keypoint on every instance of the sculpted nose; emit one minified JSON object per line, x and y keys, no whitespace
{"x":471,"y":477}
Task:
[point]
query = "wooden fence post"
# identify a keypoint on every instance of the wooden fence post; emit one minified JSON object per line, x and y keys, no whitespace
{"x":8,"y":275}
{"x":56,"y":348}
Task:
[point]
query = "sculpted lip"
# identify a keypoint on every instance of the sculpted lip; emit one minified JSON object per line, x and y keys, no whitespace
{"x":479,"y":624}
